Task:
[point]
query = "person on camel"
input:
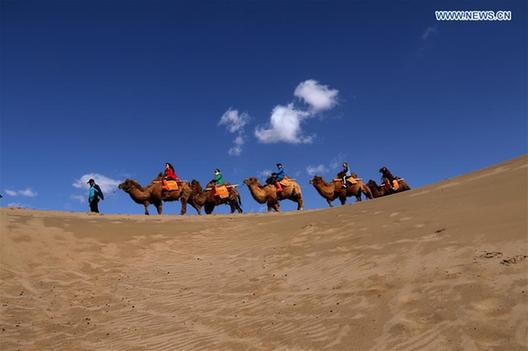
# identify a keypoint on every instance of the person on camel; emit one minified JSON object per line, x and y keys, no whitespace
{"x":387,"y":177}
{"x":218,"y":180}
{"x":278,"y":176}
{"x":168,"y":174}
{"x":343,"y":175}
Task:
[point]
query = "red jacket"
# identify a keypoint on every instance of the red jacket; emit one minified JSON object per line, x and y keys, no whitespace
{"x":170,"y":174}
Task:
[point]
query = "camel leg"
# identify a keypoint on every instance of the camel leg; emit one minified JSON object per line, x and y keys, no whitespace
{"x":342,"y":199}
{"x":159,"y":208}
{"x":358,"y":197}
{"x":146,"y":204}
{"x":329,"y":203}
{"x":300,"y":205}
{"x":367,"y":193}
{"x":183,"y":206}
{"x":197,"y":208}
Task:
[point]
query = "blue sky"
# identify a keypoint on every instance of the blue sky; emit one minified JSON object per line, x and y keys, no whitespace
{"x":117,"y":88}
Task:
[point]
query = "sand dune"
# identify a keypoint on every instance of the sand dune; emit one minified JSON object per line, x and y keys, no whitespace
{"x":438,"y":268}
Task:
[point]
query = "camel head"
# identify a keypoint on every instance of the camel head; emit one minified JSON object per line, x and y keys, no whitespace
{"x":316,"y":180}
{"x":251,"y":181}
{"x":128,"y":184}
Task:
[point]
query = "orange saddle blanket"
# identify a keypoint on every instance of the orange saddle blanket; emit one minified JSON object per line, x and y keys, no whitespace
{"x":352,"y":180}
{"x":222,"y":191}
{"x":285,"y":182}
{"x":170,"y":185}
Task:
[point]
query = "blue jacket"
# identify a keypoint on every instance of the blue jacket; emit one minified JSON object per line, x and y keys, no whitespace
{"x":280,"y":174}
{"x":95,"y":193}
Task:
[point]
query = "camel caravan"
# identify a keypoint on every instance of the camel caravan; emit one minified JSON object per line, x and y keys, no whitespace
{"x":167,"y":187}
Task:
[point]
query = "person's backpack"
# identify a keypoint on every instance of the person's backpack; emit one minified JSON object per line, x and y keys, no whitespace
{"x":99,"y":191}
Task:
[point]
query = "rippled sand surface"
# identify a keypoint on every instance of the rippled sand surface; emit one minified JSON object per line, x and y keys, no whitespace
{"x":438,"y":268}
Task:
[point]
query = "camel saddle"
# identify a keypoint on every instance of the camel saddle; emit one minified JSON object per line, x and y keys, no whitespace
{"x":350,"y":179}
{"x":285,"y":182}
{"x":394,"y":186}
{"x":169,"y":185}
{"x":222,"y":191}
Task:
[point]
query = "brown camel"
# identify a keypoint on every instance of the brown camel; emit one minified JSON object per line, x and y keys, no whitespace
{"x":334,"y":190}
{"x":207,"y":199}
{"x":268,"y":193}
{"x":152,"y":194}
{"x":386,"y":189}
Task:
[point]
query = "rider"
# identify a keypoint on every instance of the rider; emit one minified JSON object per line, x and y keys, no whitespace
{"x":386,"y":175}
{"x":343,"y":174}
{"x":278,"y":176}
{"x":168,"y":174}
{"x":218,"y":180}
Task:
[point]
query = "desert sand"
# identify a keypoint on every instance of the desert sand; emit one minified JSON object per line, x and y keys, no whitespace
{"x":442,"y":267}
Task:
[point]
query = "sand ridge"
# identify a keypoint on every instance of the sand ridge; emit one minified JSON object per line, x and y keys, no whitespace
{"x":437,"y":268}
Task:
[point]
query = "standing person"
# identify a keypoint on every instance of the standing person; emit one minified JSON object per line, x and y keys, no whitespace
{"x":95,"y":194}
{"x":279,"y":176}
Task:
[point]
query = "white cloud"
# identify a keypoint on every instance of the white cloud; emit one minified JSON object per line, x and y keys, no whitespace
{"x":285,"y":121}
{"x":285,"y":126}
{"x":107,"y":184}
{"x":26,"y":192}
{"x":234,"y":150}
{"x":235,"y":123}
{"x":237,"y":148}
{"x":80,"y":198}
{"x":16,"y":205}
{"x":316,"y":170}
{"x":429,"y":31}
{"x":264,"y":173}
{"x":239,"y":140}
{"x":319,"y":97}
{"x":337,"y":161}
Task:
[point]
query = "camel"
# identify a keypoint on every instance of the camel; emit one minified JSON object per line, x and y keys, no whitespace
{"x":333,"y":190}
{"x":385,"y":189}
{"x":268,"y":193}
{"x":152,"y":194}
{"x":206,"y":198}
